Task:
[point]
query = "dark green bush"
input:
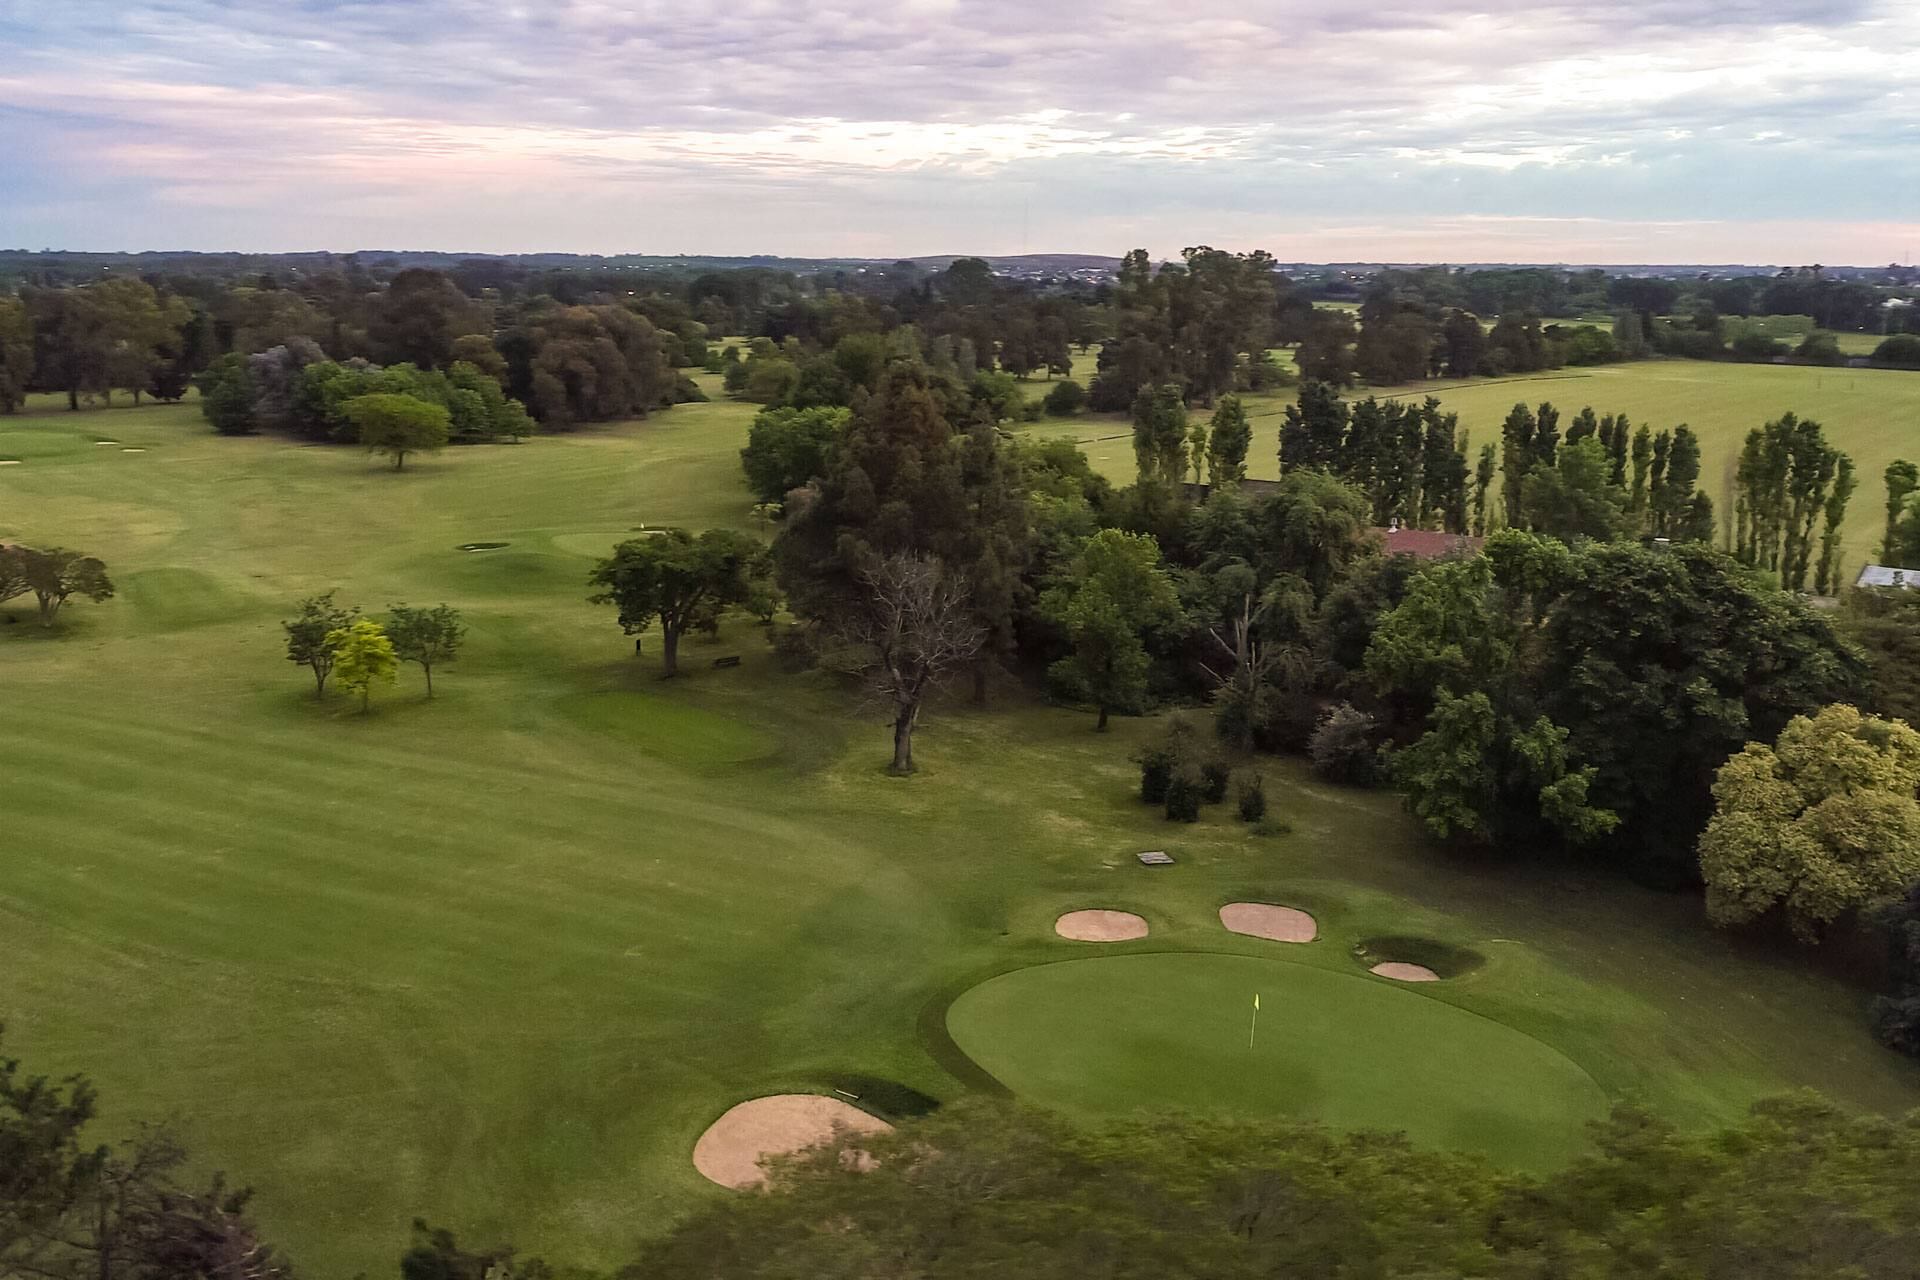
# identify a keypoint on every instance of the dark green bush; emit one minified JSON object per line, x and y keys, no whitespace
{"x":1250,"y":795}
{"x":1186,"y":791}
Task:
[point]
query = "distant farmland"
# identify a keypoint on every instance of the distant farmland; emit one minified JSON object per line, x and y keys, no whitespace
{"x":1873,"y":414}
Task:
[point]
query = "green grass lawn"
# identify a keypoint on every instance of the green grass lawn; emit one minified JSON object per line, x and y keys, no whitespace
{"x":497,"y":959}
{"x":1121,"y":1033}
{"x":1872,"y":414}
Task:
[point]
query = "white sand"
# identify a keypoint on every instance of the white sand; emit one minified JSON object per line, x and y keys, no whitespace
{"x":731,"y":1149}
{"x":1264,"y":920}
{"x":1401,"y":971}
{"x":1100,"y":926}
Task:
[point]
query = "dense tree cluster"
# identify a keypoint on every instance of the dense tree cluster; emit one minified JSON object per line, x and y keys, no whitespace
{"x":333,"y":641}
{"x":1599,"y":482}
{"x":1790,"y":480}
{"x":1410,"y":460}
{"x":1797,"y":1190}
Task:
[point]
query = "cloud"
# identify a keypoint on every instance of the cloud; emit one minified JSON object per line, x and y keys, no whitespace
{"x":989,"y":125}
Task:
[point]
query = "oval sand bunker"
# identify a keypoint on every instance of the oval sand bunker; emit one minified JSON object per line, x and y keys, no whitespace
{"x":1401,"y":971}
{"x":1264,"y":920}
{"x":1100,"y":926}
{"x":731,"y":1149}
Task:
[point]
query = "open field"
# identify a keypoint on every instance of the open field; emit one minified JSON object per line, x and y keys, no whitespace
{"x":498,"y":959}
{"x":1873,"y":414}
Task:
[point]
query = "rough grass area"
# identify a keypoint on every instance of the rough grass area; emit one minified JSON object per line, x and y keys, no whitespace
{"x":497,"y":960}
{"x":1113,"y":1035}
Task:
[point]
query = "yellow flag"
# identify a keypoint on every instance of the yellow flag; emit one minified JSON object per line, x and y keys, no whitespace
{"x":1256,"y":1001}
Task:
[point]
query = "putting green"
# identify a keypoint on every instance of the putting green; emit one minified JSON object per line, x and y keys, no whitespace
{"x":1122,"y":1032}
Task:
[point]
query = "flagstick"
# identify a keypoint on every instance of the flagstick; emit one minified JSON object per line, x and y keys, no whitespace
{"x":1253,"y":1024}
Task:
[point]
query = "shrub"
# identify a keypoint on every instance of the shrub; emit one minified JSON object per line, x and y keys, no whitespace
{"x":1250,"y":795}
{"x":1180,"y":762}
{"x":1066,"y":399}
{"x":1753,"y":345}
{"x":1820,"y":348}
{"x":1342,"y":747}
{"x":1901,"y":348}
{"x":1896,"y":1016}
{"x":1186,"y":791}
{"x":1214,"y":776}
{"x":1156,"y":771}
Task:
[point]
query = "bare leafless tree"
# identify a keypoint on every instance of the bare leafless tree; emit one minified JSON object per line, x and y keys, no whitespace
{"x":912,"y":626}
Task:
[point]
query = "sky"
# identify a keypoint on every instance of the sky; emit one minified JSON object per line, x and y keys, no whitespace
{"x":1604,"y":131}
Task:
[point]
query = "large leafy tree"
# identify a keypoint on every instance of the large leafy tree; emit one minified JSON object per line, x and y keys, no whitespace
{"x":398,"y":425}
{"x":1229,"y":436}
{"x":1635,"y":671}
{"x":363,"y":656}
{"x":227,"y":396}
{"x":1160,"y":435}
{"x":1885,"y":623}
{"x":428,"y":637}
{"x":1575,"y":497}
{"x":16,"y":353}
{"x":679,"y":581}
{"x":1664,"y":662}
{"x":307,"y":633}
{"x":73,"y":1209}
{"x":1823,"y":822}
{"x":1115,"y":596}
{"x":786,"y":448}
{"x":419,"y":319}
{"x":914,"y":473}
{"x":54,"y":576}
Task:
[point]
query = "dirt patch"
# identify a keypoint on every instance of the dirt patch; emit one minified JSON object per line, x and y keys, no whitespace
{"x":1100,"y":926}
{"x":731,"y":1149}
{"x":1402,"y":971}
{"x":1264,"y":920}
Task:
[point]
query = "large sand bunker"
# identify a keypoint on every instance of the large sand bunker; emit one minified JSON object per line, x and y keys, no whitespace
{"x":731,"y":1149}
{"x":1100,"y":926}
{"x":1264,"y":920}
{"x":1403,"y":971}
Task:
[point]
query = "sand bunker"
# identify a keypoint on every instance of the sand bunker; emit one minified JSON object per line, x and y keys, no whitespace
{"x":9,"y":462}
{"x":1401,"y":971}
{"x":1263,"y":920}
{"x":1100,"y":926}
{"x":133,"y":451}
{"x":731,"y":1149}
{"x":103,"y":442}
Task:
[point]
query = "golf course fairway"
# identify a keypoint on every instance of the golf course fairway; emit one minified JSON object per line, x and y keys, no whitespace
{"x":1117,"y":1033}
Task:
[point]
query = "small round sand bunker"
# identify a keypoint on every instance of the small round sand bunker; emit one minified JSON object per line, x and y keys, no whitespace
{"x":1100,"y":926}
{"x":731,"y":1149}
{"x":1402,"y":971}
{"x":1264,"y":920}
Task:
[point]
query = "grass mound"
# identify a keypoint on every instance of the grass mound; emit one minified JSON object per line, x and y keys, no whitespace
{"x":1114,"y":1034}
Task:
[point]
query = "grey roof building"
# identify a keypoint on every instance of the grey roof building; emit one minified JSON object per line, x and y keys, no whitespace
{"x":1880,"y":575}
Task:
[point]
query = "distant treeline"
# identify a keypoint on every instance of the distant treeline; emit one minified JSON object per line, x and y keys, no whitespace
{"x":581,"y":339}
